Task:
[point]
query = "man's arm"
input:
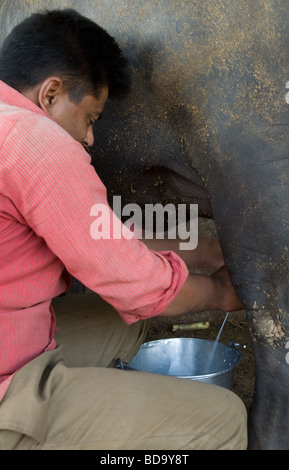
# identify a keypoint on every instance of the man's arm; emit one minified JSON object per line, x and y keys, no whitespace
{"x":206,"y":256}
{"x":201,"y":293}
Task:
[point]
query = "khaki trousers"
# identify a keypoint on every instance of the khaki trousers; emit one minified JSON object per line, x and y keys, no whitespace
{"x":73,"y":398}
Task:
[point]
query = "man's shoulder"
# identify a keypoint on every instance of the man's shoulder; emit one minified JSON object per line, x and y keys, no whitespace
{"x":27,"y":120}
{"x":29,"y":128}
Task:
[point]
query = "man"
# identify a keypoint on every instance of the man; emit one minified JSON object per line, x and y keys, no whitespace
{"x":58,"y":389}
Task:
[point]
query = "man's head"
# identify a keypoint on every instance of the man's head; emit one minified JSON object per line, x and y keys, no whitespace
{"x":59,"y":59}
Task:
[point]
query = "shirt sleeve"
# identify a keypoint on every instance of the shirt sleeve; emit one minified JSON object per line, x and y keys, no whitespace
{"x":56,"y":189}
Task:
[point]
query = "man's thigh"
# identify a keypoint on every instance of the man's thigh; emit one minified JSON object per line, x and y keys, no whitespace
{"x":92,"y":333}
{"x":111,"y":409}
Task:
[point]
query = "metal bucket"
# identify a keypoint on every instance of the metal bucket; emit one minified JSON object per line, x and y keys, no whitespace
{"x":187,"y":358}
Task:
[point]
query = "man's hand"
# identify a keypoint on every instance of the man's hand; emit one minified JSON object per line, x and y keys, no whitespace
{"x":200,"y":293}
{"x":229,"y":301}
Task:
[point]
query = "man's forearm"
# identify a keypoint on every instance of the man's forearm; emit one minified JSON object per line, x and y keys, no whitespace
{"x":200,"y":293}
{"x":208,"y":254}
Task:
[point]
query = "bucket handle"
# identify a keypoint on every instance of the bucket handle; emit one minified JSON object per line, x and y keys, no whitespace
{"x":233,"y":344}
{"x":119,"y":364}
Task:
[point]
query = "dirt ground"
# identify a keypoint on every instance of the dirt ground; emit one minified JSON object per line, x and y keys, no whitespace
{"x":235,"y":329}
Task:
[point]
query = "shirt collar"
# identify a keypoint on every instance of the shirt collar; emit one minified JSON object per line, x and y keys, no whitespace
{"x":11,"y":96}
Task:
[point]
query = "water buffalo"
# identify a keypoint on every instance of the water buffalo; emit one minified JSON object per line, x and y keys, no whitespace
{"x":207,"y":121}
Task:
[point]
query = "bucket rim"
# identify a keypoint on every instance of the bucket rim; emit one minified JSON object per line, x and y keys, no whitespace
{"x":194,"y":377}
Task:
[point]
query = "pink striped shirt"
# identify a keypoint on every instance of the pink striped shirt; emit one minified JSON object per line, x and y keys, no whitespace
{"x":47,"y":190}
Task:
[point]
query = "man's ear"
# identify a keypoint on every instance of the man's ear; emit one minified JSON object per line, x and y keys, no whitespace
{"x":49,"y":93}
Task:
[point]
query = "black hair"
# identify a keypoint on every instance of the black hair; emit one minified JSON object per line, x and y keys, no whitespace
{"x":66,"y":44}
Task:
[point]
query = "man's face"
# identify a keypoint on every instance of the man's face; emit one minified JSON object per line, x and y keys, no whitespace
{"x":77,"y":119}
